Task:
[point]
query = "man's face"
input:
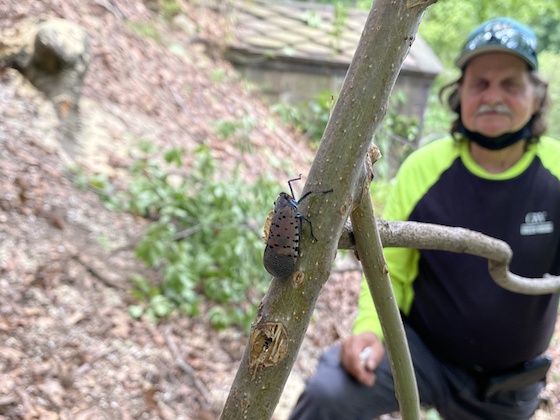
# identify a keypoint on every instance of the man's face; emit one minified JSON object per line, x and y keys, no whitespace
{"x":496,"y":95}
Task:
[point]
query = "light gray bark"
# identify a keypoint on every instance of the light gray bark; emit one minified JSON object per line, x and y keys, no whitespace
{"x":285,"y":312}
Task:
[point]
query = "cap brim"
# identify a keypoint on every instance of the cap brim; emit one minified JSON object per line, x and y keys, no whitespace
{"x":462,"y":61}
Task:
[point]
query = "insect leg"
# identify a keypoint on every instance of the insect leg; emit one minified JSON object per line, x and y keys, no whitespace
{"x":308,"y":193}
{"x":290,"y":184}
{"x":302,"y":217}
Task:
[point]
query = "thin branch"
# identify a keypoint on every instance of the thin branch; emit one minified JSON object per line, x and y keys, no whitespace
{"x":85,"y":367}
{"x":463,"y":241}
{"x":368,"y":244}
{"x":185,"y":367}
{"x":86,"y":262}
{"x":347,"y":270}
{"x":187,"y":232}
{"x":399,"y":139}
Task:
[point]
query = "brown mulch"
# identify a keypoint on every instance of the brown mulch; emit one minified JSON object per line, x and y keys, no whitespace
{"x":68,"y":347}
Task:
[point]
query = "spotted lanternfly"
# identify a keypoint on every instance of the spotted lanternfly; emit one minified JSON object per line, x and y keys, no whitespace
{"x":282,"y":240}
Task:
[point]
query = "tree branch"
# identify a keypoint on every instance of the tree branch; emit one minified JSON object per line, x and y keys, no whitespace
{"x":463,"y":241}
{"x":368,"y":245}
{"x":286,"y":310}
{"x":186,"y":368}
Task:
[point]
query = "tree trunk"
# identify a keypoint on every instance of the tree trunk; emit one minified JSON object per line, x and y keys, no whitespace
{"x":284,"y":314}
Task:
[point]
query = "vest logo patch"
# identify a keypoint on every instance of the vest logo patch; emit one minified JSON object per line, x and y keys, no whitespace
{"x":536,"y":224}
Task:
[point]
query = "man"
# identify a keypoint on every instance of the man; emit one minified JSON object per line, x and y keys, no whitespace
{"x":477,"y":349}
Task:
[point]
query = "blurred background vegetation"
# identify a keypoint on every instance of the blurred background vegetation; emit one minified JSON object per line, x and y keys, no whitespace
{"x":205,"y":230}
{"x":444,"y":27}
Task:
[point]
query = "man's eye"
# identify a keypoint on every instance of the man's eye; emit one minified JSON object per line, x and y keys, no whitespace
{"x":480,"y":85}
{"x":512,"y":86}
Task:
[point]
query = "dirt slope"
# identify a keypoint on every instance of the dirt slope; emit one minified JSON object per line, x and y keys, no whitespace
{"x":68,"y":348}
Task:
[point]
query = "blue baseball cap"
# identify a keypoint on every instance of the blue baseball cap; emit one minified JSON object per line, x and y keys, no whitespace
{"x":501,"y":35}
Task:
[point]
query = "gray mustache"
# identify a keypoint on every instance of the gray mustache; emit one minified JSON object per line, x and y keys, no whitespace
{"x":499,"y":108}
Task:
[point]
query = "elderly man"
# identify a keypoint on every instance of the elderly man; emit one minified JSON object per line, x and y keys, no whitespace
{"x":477,"y":349}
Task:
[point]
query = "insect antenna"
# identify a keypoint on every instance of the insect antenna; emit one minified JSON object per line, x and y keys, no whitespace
{"x":290,"y":184}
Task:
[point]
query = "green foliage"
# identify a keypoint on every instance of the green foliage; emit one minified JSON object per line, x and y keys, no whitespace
{"x":218,"y":75}
{"x":205,"y":237}
{"x":310,"y":117}
{"x":311,"y":18}
{"x":341,"y":9}
{"x":98,"y":183}
{"x":446,"y":25}
{"x":170,"y":8}
{"x":398,"y":124}
{"x":379,"y":192}
{"x":145,"y":30}
{"x":548,"y":32}
{"x":238,"y":131}
{"x":157,"y":305}
{"x":396,"y":136}
{"x":340,"y":17}
{"x":166,"y":8}
{"x":104,"y":242}
{"x":437,"y":117}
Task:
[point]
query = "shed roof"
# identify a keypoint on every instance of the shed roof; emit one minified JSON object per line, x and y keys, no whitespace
{"x":309,"y":33}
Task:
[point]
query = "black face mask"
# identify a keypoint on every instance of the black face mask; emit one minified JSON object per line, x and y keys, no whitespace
{"x":496,"y":143}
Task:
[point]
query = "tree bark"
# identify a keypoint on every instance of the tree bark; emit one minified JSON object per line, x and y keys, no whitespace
{"x":463,"y":241}
{"x":285,"y":312}
{"x":368,"y":244}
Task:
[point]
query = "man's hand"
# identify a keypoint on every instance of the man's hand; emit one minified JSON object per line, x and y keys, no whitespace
{"x":350,"y":356}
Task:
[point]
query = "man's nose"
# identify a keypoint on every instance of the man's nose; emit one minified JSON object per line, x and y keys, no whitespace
{"x":493,"y":94}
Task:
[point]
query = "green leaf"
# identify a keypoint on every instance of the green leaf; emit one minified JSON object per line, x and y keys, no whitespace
{"x":175,"y":156}
{"x":135,"y":311}
{"x":197,"y":235}
{"x":161,"y":306}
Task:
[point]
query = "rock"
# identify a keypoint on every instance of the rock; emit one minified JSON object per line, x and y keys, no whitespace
{"x":53,"y":55}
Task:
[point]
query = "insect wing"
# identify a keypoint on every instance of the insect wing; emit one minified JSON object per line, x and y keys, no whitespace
{"x":266,"y":228}
{"x":282,"y":246}
{"x":284,"y":227}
